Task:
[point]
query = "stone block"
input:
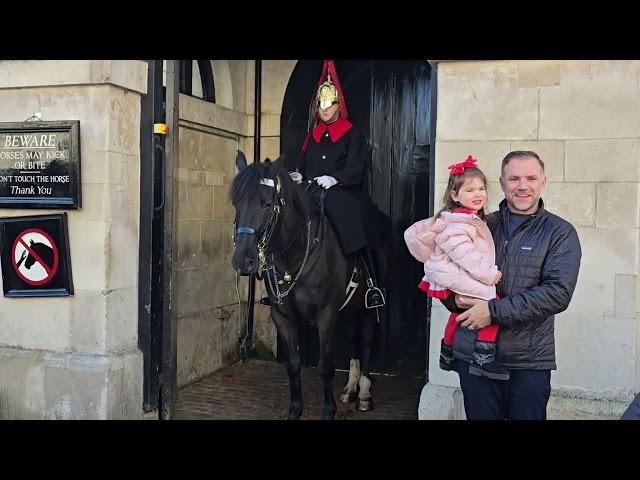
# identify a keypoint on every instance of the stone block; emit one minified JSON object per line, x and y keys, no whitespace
{"x":539,"y":73}
{"x":626,"y":302}
{"x":89,"y":252}
{"x":438,"y":402}
{"x":590,"y":94}
{"x":21,"y":384}
{"x":199,"y":350}
{"x":601,"y":363}
{"x":607,"y":160}
{"x":87,"y":322}
{"x":484,"y":101}
{"x":618,"y":205}
{"x":189,"y":254}
{"x":575,"y":202}
{"x":35,"y":323}
{"x":122,"y":260}
{"x":122,"y":320}
{"x":605,"y":254}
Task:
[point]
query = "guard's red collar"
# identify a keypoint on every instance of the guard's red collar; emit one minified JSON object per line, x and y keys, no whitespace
{"x":336,"y":130}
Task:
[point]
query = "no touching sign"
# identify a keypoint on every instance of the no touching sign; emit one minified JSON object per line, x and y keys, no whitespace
{"x":35,"y":256}
{"x":37,"y":248}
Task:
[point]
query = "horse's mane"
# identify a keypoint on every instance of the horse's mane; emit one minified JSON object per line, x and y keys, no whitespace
{"x":246,"y":185}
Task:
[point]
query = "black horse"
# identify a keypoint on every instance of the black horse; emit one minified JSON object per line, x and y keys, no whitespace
{"x":282,"y":235}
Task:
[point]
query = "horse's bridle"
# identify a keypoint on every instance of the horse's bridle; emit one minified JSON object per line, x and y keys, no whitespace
{"x":270,"y":226}
{"x":263,"y":244}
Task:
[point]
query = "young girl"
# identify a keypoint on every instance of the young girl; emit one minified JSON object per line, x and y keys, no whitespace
{"x":459,"y":256}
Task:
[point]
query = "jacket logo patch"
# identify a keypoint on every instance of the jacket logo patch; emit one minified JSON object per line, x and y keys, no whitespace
{"x":526,"y":248}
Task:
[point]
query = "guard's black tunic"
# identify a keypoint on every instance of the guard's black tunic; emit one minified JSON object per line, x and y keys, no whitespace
{"x":340,"y":151}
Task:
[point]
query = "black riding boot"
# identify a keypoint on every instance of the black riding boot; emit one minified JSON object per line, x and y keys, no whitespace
{"x":374,"y":298}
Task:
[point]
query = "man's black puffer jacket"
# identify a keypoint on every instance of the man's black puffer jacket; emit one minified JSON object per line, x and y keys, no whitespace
{"x":633,"y":410}
{"x":539,"y":266}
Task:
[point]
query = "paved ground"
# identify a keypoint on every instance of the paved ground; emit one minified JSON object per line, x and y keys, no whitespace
{"x":259,"y":390}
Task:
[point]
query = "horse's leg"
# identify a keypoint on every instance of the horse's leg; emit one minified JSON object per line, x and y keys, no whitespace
{"x":326,"y":328}
{"x":367,"y":331}
{"x":351,"y":388}
{"x":288,"y":330}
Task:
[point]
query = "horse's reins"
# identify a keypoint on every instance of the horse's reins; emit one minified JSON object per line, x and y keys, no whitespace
{"x":275,"y":284}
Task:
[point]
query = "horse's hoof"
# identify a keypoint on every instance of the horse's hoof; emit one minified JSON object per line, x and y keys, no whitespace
{"x":294,"y":414}
{"x":348,"y":397}
{"x":365,"y":405}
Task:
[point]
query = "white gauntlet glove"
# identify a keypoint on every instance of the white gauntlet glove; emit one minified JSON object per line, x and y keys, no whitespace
{"x":296,"y":177}
{"x":326,"y":181}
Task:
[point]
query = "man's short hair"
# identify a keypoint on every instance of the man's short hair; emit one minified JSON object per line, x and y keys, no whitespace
{"x":520,"y":154}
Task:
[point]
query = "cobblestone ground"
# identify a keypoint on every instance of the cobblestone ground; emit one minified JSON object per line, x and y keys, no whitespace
{"x":259,"y":390}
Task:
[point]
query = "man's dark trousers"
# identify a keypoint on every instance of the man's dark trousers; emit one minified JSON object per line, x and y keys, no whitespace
{"x":523,"y":397}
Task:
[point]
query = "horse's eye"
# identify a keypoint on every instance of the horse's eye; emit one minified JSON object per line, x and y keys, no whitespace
{"x":268,"y":205}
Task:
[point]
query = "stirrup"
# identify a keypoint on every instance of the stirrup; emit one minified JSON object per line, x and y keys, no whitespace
{"x":373,"y":298}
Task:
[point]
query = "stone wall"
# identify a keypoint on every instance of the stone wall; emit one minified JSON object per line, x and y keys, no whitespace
{"x":209,"y":320}
{"x":77,"y":357}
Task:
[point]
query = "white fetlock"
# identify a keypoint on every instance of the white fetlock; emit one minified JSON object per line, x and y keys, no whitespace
{"x":352,"y":385}
{"x":365,"y":400}
{"x":365,"y":387}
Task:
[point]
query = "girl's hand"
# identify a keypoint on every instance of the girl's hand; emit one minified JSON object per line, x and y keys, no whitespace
{"x":498,"y":278}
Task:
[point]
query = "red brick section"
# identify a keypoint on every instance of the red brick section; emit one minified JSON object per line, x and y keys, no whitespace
{"x":259,"y":390}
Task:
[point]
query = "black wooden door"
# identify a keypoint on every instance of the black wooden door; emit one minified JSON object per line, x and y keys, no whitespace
{"x":390,"y":101}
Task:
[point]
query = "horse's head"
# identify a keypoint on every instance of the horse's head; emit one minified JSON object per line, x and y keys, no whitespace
{"x":258,"y":193}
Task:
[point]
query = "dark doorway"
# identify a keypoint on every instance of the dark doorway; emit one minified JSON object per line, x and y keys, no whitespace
{"x":391,"y":102}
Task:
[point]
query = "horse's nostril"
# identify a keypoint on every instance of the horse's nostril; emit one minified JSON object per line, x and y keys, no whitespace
{"x":250,"y":264}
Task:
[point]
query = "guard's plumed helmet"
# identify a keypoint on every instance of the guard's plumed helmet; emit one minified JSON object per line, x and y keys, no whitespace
{"x":329,"y":91}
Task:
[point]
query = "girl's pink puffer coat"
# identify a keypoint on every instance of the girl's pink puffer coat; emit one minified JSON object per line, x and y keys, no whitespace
{"x":458,"y":254}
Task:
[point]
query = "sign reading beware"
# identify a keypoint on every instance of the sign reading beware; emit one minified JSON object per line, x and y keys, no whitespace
{"x":40,"y":164}
{"x":35,"y":256}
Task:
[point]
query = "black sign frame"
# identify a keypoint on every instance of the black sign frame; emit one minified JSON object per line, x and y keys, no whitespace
{"x":73,"y":198}
{"x":52,"y":228}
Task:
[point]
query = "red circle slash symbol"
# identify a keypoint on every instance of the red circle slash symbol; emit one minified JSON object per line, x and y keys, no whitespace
{"x":35,"y":256}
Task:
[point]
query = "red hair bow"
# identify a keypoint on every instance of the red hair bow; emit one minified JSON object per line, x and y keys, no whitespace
{"x":458,"y":168}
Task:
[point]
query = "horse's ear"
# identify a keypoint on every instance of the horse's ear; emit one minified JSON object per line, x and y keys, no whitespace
{"x":267,"y":160}
{"x":283,"y":156}
{"x":241,"y":161}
